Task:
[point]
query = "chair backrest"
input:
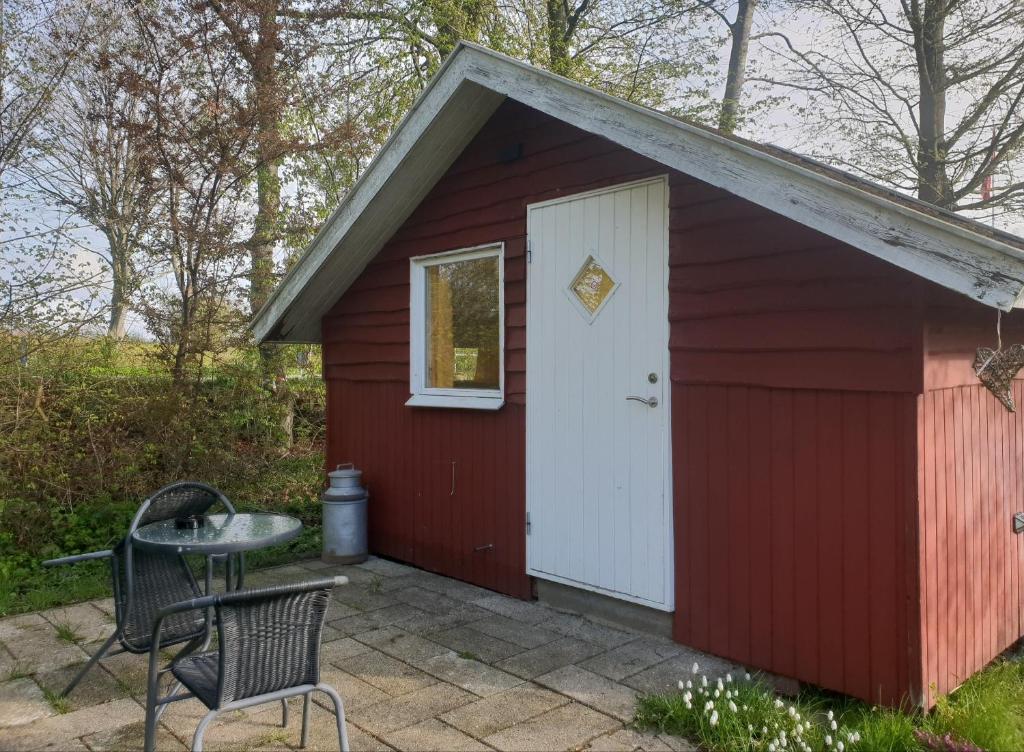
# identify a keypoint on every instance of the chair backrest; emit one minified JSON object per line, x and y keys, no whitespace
{"x":270,"y":638}
{"x":179,"y":500}
{"x":145,"y":582}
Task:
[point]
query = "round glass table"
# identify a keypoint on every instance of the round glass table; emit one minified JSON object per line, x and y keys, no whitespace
{"x":221,"y":534}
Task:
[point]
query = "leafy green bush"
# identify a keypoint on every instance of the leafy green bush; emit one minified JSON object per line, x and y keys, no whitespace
{"x":88,"y":431}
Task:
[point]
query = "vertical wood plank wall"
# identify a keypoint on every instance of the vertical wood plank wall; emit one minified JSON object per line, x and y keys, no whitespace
{"x":796,"y":375}
{"x":971,"y":481}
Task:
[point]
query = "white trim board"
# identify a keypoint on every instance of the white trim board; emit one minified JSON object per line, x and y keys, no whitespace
{"x":474,"y":81}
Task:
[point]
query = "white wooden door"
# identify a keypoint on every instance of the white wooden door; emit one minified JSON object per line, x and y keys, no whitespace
{"x":598,"y":463}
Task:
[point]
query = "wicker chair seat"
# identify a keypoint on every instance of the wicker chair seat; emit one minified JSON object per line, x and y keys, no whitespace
{"x":198,"y":673}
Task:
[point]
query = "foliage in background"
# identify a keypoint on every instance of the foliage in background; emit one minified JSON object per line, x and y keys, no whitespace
{"x":986,"y":713}
{"x":89,"y":428}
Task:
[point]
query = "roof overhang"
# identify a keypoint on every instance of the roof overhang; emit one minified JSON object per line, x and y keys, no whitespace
{"x":474,"y":81}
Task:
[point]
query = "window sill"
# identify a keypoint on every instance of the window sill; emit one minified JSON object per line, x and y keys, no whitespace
{"x":458,"y":402}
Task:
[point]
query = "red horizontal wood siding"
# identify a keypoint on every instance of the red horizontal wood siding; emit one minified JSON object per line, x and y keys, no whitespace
{"x":793,"y":513}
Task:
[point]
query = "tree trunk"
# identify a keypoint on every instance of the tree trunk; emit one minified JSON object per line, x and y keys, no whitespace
{"x":558,"y":44}
{"x":933,"y":183}
{"x":120,"y":285}
{"x":268,"y":182}
{"x":737,"y":72}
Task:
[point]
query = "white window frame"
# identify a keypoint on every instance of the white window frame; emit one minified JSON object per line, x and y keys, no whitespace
{"x":422,"y":395}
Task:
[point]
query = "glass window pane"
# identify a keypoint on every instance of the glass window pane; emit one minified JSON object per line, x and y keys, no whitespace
{"x":462,"y":325}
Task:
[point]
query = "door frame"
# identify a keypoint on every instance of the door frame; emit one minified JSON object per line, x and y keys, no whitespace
{"x":667,"y":458}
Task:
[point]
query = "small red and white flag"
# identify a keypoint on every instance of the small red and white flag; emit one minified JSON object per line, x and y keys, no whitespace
{"x":986,"y":188}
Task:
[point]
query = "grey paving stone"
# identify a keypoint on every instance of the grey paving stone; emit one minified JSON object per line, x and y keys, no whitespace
{"x":476,"y":644}
{"x":471,"y":675}
{"x":630,"y":740}
{"x":13,"y":627}
{"x":130,"y":738}
{"x":665,"y":676}
{"x":387,"y":673}
{"x":581,"y":628}
{"x":87,"y":621}
{"x":401,"y":644}
{"x":509,"y":630}
{"x":385,"y":567}
{"x":427,"y":623}
{"x":338,"y":610}
{"x":456,"y":589}
{"x":407,"y":710}
{"x":370,"y":620}
{"x":22,"y":702}
{"x":362,"y":598}
{"x":529,"y":612}
{"x":339,"y":651}
{"x":632,"y":657}
{"x":432,"y":735}
{"x":59,"y":730}
{"x":355,"y":693}
{"x":548,"y":657}
{"x":42,"y":650}
{"x":315,"y":565}
{"x":427,"y":600}
{"x":567,"y":727}
{"x":485,"y":717}
{"x":592,"y":689}
{"x":97,"y":687}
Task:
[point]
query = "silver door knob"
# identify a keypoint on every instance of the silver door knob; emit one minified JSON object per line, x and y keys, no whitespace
{"x":649,"y":401}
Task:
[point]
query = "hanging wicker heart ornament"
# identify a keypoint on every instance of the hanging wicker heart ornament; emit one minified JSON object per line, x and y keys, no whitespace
{"x":996,"y":370}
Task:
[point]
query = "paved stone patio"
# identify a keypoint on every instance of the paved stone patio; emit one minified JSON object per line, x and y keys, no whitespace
{"x":423,"y":662}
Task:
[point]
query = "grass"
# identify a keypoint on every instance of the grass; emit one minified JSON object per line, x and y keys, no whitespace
{"x":67,"y":633}
{"x":19,"y":671}
{"x":61,"y":704}
{"x":987,"y":712}
{"x":467,"y":655}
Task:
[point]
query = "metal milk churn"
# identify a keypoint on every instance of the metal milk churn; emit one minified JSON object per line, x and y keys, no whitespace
{"x":344,"y":517}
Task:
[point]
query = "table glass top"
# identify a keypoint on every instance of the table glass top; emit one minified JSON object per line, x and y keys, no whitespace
{"x":221,"y":532}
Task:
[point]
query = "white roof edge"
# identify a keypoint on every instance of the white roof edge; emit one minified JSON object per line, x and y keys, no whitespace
{"x":949,"y":254}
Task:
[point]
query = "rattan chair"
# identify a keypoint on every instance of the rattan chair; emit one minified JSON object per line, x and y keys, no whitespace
{"x":268,"y":650}
{"x":145,"y":582}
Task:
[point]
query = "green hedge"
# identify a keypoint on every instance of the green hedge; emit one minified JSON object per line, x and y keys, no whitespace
{"x":84,"y":440}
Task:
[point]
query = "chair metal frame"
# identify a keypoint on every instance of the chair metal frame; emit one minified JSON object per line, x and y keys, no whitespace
{"x":122,"y":565}
{"x":155,"y":705}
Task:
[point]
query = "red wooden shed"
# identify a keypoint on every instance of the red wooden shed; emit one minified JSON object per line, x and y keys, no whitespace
{"x":571,"y":339}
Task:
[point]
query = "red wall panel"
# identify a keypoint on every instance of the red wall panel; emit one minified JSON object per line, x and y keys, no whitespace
{"x":792,"y":517}
{"x":971,"y":468}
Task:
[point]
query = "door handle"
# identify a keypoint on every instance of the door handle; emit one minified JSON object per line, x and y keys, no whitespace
{"x":649,"y":401}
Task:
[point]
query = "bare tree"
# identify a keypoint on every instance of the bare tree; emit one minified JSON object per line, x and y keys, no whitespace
{"x":90,"y":157}
{"x":924,"y":95}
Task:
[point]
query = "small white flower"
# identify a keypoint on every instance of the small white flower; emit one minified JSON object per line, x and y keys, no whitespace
{"x":720,"y":685}
{"x":828,"y":740}
{"x":747,"y":676}
{"x":689,"y":705}
{"x":772,"y":747}
{"x":689,"y":684}
{"x":728,"y":678}
{"x":839,"y":746}
{"x":744,"y":707}
{"x":764,"y":729}
{"x":714,"y":718}
{"x":834,"y":726}
{"x":779,"y":703}
{"x":681,"y":685}
{"x":708,"y":705}
{"x":732,"y":706}
{"x":695,"y":669}
{"x":687,"y":696}
{"x":830,"y":715}
{"x":750,"y":728}
{"x":718,"y":692}
{"x":792,"y":712}
{"x":703,"y":681}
